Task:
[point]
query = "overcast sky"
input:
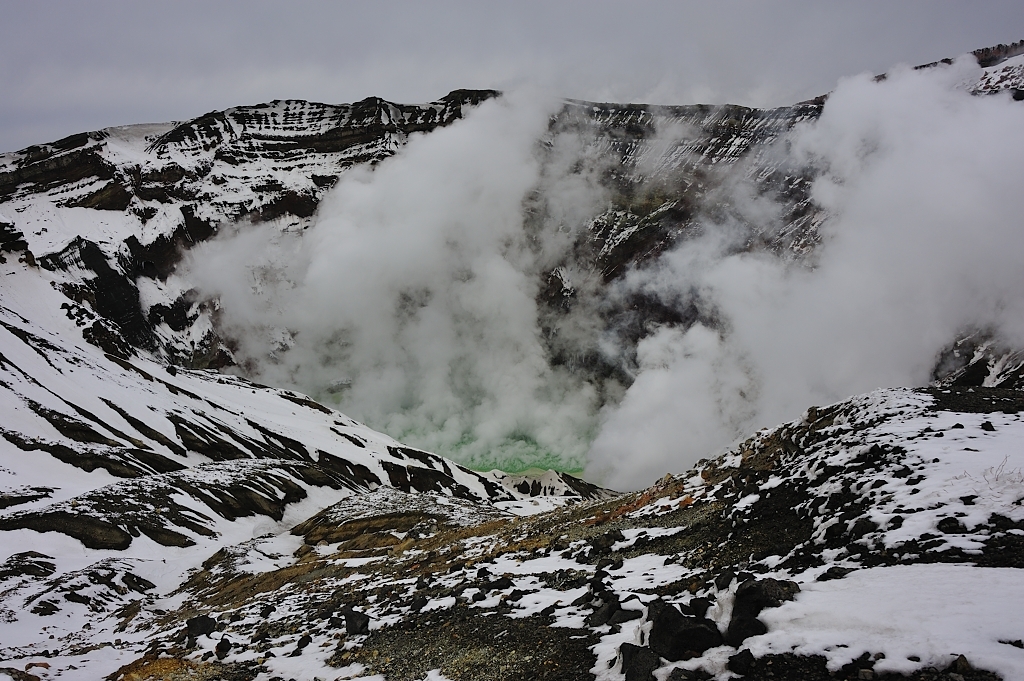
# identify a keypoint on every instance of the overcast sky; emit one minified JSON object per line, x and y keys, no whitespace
{"x":71,"y":66}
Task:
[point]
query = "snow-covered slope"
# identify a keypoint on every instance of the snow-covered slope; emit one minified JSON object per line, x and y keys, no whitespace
{"x":876,"y":538}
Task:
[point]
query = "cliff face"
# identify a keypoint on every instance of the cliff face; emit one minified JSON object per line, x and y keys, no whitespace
{"x":122,"y":204}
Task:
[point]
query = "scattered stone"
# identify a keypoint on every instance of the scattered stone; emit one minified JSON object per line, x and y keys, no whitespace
{"x":676,"y":637}
{"x":198,"y":626}
{"x":988,"y":427}
{"x":223,"y":648}
{"x":743,"y":627}
{"x":698,"y":607}
{"x":960,"y":666}
{"x":356,"y":622}
{"x":136,"y":583}
{"x":638,"y":664}
{"x":741,"y":662}
{"x":751,"y":598}
{"x":754,"y":596}
{"x":834,"y":572}
{"x":605,"y":541}
{"x":499,"y":584}
{"x":583,"y":599}
{"x":679,"y":674}
{"x":621,"y":616}
{"x":418,"y":602}
{"x":951,"y":525}
{"x":603,"y":614}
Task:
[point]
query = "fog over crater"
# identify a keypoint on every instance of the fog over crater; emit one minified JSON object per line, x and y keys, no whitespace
{"x":420,"y":300}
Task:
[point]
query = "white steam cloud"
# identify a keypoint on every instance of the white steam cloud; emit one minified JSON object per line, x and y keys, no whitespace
{"x":923,"y":183}
{"x":412,"y":301}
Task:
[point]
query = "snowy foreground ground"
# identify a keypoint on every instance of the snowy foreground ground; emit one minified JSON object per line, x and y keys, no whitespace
{"x":893,"y":522}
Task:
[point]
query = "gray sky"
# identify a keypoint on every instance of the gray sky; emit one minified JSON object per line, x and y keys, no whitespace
{"x":72,"y":65}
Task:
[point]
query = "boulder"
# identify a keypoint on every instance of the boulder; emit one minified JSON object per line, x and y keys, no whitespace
{"x":603,"y":614}
{"x":202,"y":624}
{"x":951,"y":525}
{"x":754,"y":596}
{"x":499,"y":584}
{"x":638,"y":664}
{"x":418,"y":602}
{"x":698,"y":607}
{"x":676,"y":637}
{"x":621,"y":616}
{"x":605,"y":541}
{"x":742,"y":627}
{"x":751,"y":598}
{"x":223,"y":648}
{"x":742,"y":662}
{"x":356,"y":622}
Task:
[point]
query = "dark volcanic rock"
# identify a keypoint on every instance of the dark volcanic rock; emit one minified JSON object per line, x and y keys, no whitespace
{"x":951,"y":525}
{"x":621,"y":616}
{"x":741,"y":662}
{"x":676,"y":637}
{"x":356,"y":622}
{"x":418,"y":602}
{"x":754,"y":596}
{"x":603,"y":614}
{"x":93,"y":532}
{"x":638,"y":664}
{"x":751,"y":598}
{"x":605,"y":541}
{"x":200,"y":625}
{"x":27,"y":563}
{"x":834,"y":572}
{"x":742,"y":627}
{"x":223,"y":648}
{"x":136,"y":583}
